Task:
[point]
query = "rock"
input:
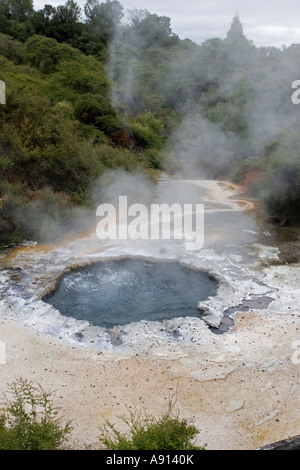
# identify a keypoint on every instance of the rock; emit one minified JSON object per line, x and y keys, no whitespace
{"x":292,"y":443}
{"x":235,"y":405}
{"x":211,"y":316}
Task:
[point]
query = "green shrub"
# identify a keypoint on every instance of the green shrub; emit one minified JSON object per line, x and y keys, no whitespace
{"x":46,"y":53}
{"x":280,"y":192}
{"x":147,"y":131}
{"x":149,"y":433}
{"x":84,"y":76}
{"x":89,"y":108}
{"x":11,"y":49}
{"x":29,"y":421}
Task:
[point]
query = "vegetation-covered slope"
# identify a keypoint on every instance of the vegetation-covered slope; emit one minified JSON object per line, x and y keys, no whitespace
{"x":86,"y":92}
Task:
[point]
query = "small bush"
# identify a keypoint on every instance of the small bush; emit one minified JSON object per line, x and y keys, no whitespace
{"x":149,"y":433}
{"x":147,"y":131}
{"x":29,"y":421}
{"x":46,"y":53}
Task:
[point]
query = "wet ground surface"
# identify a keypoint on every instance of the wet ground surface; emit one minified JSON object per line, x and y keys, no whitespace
{"x":242,"y":387}
{"x":262,"y":302}
{"x":239,"y":243}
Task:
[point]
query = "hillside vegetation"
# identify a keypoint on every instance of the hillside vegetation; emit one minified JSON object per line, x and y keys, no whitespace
{"x":87,"y":92}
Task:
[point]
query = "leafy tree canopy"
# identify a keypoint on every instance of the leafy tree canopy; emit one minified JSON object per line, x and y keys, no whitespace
{"x":17,"y":10}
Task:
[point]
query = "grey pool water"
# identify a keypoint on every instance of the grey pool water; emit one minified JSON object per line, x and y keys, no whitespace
{"x":119,"y":292}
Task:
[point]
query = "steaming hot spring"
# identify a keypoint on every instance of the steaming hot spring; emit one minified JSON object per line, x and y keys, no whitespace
{"x":118,"y":292}
{"x":152,"y":296}
{"x":141,"y":316}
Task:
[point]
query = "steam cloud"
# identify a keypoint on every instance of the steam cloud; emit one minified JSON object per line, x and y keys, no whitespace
{"x":257,"y":81}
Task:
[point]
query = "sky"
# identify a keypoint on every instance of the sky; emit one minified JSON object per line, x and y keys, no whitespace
{"x":265,"y":22}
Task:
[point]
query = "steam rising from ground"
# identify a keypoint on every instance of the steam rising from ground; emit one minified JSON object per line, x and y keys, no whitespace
{"x":233,"y":98}
{"x":137,"y":186}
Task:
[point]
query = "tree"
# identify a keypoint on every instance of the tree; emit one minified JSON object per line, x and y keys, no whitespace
{"x":42,"y":19}
{"x":148,"y":30}
{"x":17,"y":10}
{"x":238,"y":49}
{"x":15,"y":18}
{"x":68,"y":13}
{"x":61,"y":23}
{"x":236,"y":32}
{"x":103,"y":18}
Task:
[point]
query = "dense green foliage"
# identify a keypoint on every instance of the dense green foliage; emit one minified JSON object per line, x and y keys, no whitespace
{"x":29,"y":420}
{"x":59,"y":132}
{"x":87,"y":92}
